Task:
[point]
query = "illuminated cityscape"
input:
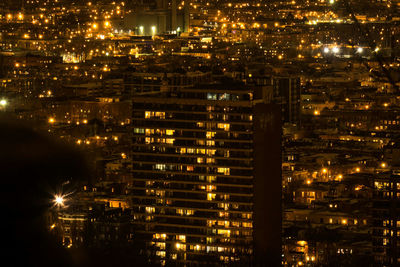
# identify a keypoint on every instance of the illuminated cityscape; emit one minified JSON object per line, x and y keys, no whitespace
{"x":200,"y":133}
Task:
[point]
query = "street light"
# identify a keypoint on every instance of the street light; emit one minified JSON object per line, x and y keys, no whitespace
{"x":59,"y":200}
{"x":3,"y":102}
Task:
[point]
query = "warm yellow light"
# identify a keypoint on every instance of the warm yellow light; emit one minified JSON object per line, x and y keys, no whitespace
{"x":59,"y":200}
{"x":302,"y":243}
{"x":324,"y":170}
{"x":84,"y":121}
{"x":51,"y":120}
{"x":383,"y":165}
{"x":3,"y":102}
{"x":316,"y":112}
{"x":94,"y":26}
{"x":358,"y":169}
{"x":308,"y":181}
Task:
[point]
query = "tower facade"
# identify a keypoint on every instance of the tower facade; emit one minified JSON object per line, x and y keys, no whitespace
{"x":207,"y":176}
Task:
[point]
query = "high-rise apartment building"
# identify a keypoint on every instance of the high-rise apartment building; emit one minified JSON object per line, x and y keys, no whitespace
{"x":207,"y":176}
{"x":386,"y":220}
{"x":287,"y":92}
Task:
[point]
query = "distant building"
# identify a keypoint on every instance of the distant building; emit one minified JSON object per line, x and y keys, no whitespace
{"x":207,"y":176}
{"x":95,"y":226}
{"x":386,"y":220}
{"x":159,"y":16}
{"x":287,"y":92}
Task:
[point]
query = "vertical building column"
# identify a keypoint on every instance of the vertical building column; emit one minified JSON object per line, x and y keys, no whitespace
{"x":267,"y":185}
{"x":173,"y":15}
{"x":187,"y":16}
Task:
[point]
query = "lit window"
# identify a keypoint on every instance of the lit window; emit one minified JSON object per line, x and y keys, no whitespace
{"x":223,"y":96}
{"x":181,"y":238}
{"x":161,"y":254}
{"x":226,"y":233}
{"x":210,"y":134}
{"x":189,"y":168}
{"x":150,"y":209}
{"x":211,"y":188}
{"x":224,"y":126}
{"x":169,"y":132}
{"x":211,"y":96}
{"x":160,"y":167}
{"x":210,"y":143}
{"x":169,"y":141}
{"x":211,"y":152}
{"x":200,"y":151}
{"x":210,"y":196}
{"x":138,"y":130}
{"x":211,"y":178}
{"x":225,"y":171}
{"x":160,"y":115}
{"x":247,"y":224}
{"x":149,"y":131}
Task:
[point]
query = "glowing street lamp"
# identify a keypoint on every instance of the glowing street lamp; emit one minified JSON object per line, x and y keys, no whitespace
{"x":3,"y":103}
{"x":153,"y":30}
{"x":59,"y":200}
